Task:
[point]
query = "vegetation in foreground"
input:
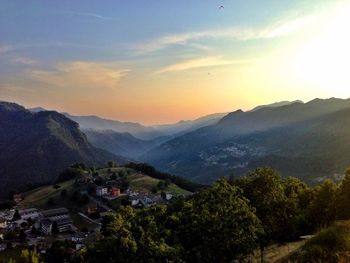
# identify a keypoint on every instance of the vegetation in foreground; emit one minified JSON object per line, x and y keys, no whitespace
{"x":228,"y":221}
{"x":330,"y":245}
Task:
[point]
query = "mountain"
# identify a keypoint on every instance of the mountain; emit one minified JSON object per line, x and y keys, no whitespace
{"x":36,"y":147}
{"x":97,"y":123}
{"x":158,"y":132}
{"x":124,"y":144}
{"x":37,"y":109}
{"x":308,"y":140}
{"x":276,"y":104}
{"x":190,"y":125}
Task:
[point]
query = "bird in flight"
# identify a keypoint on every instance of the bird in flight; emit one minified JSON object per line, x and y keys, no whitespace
{"x":221,"y":7}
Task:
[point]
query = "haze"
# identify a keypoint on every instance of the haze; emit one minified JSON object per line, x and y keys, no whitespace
{"x":164,"y":61}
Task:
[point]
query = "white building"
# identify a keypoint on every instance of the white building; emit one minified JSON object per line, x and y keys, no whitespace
{"x":3,"y":223}
{"x":100,"y":191}
{"x":29,"y":213}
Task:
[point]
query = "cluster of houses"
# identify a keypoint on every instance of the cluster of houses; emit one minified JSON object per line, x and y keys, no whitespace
{"x":108,"y":193}
{"x":43,"y":221}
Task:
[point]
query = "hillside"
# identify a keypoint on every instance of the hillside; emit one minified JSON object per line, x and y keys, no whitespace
{"x":308,"y":140}
{"x":119,"y":143}
{"x":97,"y":123}
{"x":36,"y":147}
{"x":38,"y":197}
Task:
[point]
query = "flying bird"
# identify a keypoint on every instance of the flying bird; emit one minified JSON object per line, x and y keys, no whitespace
{"x":221,"y":7}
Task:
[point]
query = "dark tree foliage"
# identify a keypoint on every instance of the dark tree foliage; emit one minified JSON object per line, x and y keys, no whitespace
{"x":54,"y":230}
{"x":217,"y":225}
{"x":70,"y":173}
{"x":16,"y":216}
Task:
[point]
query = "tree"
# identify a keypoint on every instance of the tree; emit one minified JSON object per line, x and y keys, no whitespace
{"x":343,"y":198}
{"x":322,"y":210}
{"x":111,"y":164}
{"x":28,"y":256}
{"x":54,"y":230}
{"x":114,"y":176}
{"x":50,"y":201}
{"x":217,"y":225}
{"x":16,"y":216}
{"x":22,"y":235}
{"x":64,"y":193}
{"x":70,"y":173}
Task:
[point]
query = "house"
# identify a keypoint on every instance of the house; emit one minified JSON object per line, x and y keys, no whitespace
{"x":115,"y":191}
{"x":17,"y":198}
{"x":91,"y":209}
{"x":100,"y":191}
{"x":60,"y":216}
{"x":168,"y":196}
{"x":3,"y":223}
{"x":29,"y":213}
{"x":55,"y":212}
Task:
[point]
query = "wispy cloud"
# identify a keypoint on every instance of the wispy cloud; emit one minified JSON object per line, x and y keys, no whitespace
{"x":278,"y":29}
{"x":80,"y":74}
{"x":23,"y":60}
{"x":92,"y":15}
{"x":6,"y":48}
{"x":200,"y":63}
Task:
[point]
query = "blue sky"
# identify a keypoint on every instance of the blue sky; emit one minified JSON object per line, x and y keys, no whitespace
{"x":161,"y":61}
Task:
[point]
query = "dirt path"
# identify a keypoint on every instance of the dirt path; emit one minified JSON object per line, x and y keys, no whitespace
{"x":275,"y":253}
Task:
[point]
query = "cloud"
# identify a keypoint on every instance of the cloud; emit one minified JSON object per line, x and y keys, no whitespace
{"x":23,"y":60}
{"x":200,"y":63}
{"x":80,"y":74}
{"x":93,"y":15}
{"x":278,"y":29}
{"x":5,"y":48}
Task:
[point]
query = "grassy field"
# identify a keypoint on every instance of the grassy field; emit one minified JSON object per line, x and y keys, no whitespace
{"x":145,"y":183}
{"x":38,"y":197}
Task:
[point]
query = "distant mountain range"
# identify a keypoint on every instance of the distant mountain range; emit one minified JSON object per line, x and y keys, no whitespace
{"x":120,"y":143}
{"x":36,"y":147}
{"x":310,"y":141}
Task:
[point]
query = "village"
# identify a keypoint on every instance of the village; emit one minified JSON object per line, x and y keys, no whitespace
{"x":73,"y":211}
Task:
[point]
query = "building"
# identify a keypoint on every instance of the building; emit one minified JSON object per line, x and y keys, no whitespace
{"x":54,"y":212}
{"x":60,"y":216}
{"x":91,"y":209}
{"x":115,"y":192}
{"x":100,"y":191}
{"x":31,"y":213}
{"x":168,"y":196}
{"x":3,"y":223}
{"x":17,"y":198}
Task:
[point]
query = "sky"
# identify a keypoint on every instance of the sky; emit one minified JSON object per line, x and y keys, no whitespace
{"x":162,"y":61}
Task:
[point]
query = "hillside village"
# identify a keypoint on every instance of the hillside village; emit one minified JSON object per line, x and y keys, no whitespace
{"x":72,"y":210}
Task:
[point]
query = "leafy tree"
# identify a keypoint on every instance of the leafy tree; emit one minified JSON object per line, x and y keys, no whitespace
{"x":50,"y":201}
{"x":217,"y":225}
{"x":54,"y":230}
{"x":70,"y":173}
{"x":9,"y":235}
{"x":64,"y":193}
{"x":22,"y":236}
{"x":111,"y":164}
{"x":322,"y":210}
{"x":114,"y":176}
{"x":28,"y":256}
{"x":343,"y":198}
{"x":16,"y":216}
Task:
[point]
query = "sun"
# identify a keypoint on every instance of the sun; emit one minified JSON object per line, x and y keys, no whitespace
{"x":324,"y":61}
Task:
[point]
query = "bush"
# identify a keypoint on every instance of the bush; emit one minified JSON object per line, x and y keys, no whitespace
{"x":329,"y":245}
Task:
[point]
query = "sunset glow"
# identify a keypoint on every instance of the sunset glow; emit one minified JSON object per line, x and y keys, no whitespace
{"x":151,"y":67}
